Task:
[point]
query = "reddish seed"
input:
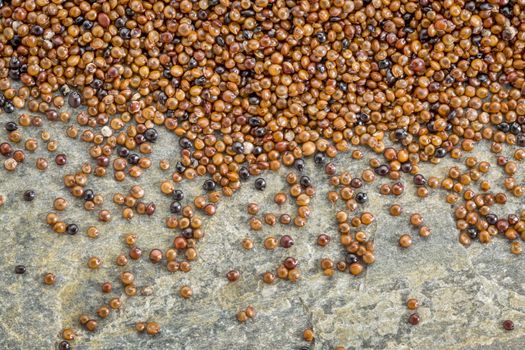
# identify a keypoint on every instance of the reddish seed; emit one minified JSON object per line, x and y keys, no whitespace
{"x":135,"y":253}
{"x":155,"y":255}
{"x":413,"y":319}
{"x":417,"y":65}
{"x":290,"y":263}
{"x":150,"y":209}
{"x":286,"y":241}
{"x":107,"y":287}
{"x":61,"y":159}
{"x":179,"y":243}
{"x":233,"y":275}
{"x":323,"y":239}
{"x":508,"y":325}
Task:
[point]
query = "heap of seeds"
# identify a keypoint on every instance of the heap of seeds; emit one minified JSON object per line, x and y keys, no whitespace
{"x":249,"y":86}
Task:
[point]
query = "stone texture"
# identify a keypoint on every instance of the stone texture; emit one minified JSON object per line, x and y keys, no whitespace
{"x":465,"y":293}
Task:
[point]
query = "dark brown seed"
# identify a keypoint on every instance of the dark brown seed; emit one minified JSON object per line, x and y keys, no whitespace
{"x":323,"y":239}
{"x":233,"y":275}
{"x":508,"y":325}
{"x":413,"y":319}
{"x":107,"y":287}
{"x":60,"y":159}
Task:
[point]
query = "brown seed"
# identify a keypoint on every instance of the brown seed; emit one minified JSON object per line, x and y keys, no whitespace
{"x":135,"y":253}
{"x":368,"y":258}
{"x":104,"y":216}
{"x":106,"y":287}
{"x":323,"y":240}
{"x":356,"y":269}
{"x":10,"y":164}
{"x":327,"y":264}
{"x":49,"y":279}
{"x":140,"y":326}
{"x":103,"y":311}
{"x":167,"y":187}
{"x":172,"y":266}
{"x":103,"y":20}
{"x":130,"y":290}
{"x":210,"y":209}
{"x":416,"y":219}
{"x":270,"y":219}
{"x":180,"y":243}
{"x":241,"y":316}
{"x":293,"y":275}
{"x":515,"y":248}
{"x":270,"y":243}
{"x":268,"y":277}
{"x":285,"y":219}
{"x":280,"y":198}
{"x":60,"y":159}
{"x":360,"y":236}
{"x":83,"y":319}
{"x":332,"y":196}
{"x":508,"y":325}
{"x":155,"y":256}
{"x":250,"y":311}
{"x":282,"y":272}
{"x":328,"y":272}
{"x":127,"y":278}
{"x":252,"y":209}
{"x":60,"y":204}
{"x":396,"y":210}
{"x":405,"y":241}
{"x":233,"y":275}
{"x":68,"y":334}
{"x":136,"y":192}
{"x":247,"y":244}
{"x":130,"y":239}
{"x":164,"y":164}
{"x":412,"y":304}
{"x":341,"y":266}
{"x":464,"y":239}
{"x":424,"y":231}
{"x":413,"y":319}
{"x":91,"y":325}
{"x":94,"y":263}
{"x":59,"y":227}
{"x":308,"y":335}
{"x":152,"y":328}
{"x":41,"y":164}
{"x":121,"y":260}
{"x":256,"y":224}
{"x":185,"y":292}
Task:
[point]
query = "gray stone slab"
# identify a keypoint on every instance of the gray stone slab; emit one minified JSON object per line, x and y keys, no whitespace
{"x":465,"y":293}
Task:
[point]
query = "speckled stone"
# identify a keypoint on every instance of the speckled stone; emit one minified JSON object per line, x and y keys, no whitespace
{"x":464,"y":293}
